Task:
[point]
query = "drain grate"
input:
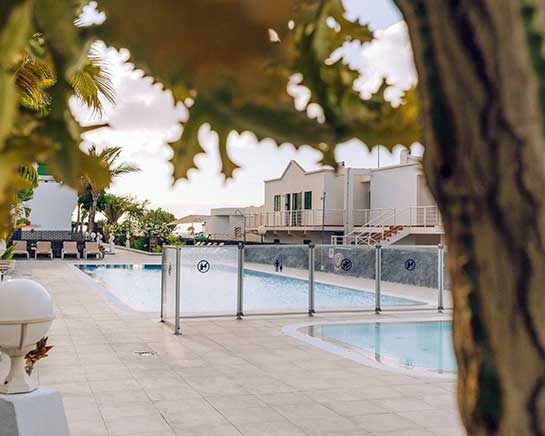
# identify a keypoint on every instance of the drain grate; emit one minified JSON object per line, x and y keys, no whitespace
{"x":146,"y":353}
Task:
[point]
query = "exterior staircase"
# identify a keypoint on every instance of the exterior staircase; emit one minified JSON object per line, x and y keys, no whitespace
{"x":390,"y":225}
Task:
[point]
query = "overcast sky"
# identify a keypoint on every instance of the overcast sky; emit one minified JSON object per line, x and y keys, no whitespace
{"x":145,"y":116}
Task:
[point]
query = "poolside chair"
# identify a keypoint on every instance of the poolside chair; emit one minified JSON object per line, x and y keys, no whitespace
{"x":20,"y":248}
{"x":91,"y":248}
{"x":43,"y":247}
{"x":69,"y":247}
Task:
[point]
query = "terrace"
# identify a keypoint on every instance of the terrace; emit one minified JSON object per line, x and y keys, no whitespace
{"x":122,"y":372}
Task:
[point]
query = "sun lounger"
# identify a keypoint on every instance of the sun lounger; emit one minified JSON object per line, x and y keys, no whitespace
{"x":43,"y":247}
{"x":91,"y":248}
{"x":69,"y":247}
{"x":21,"y":248}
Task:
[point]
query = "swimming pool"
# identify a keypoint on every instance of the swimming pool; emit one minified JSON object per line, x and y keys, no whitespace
{"x":139,"y":287}
{"x":424,"y":345}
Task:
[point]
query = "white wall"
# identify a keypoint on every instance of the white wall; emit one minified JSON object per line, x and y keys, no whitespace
{"x":52,"y":206}
{"x":394,"y":187}
{"x":222,"y":222}
{"x":424,"y":196}
{"x":298,"y":181}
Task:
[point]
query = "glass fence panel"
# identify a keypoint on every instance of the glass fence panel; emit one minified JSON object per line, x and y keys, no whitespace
{"x":344,"y":277}
{"x":168,"y":285}
{"x":275,"y":278}
{"x":410,"y":272}
{"x":447,"y":284}
{"x":208,"y":280}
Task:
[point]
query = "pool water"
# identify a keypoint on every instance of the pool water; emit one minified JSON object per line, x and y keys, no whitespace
{"x":424,"y":345}
{"x":139,"y":286}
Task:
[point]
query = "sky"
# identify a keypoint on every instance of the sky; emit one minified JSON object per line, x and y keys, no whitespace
{"x":145,"y":117}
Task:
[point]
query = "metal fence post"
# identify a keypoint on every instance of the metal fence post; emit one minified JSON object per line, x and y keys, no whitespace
{"x":178,"y":287}
{"x":311,"y":310}
{"x":240,"y":281}
{"x":378,"y":278}
{"x":163,"y":282}
{"x":440,"y":276}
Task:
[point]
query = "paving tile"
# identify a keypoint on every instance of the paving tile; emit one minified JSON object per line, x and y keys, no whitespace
{"x":132,"y":425}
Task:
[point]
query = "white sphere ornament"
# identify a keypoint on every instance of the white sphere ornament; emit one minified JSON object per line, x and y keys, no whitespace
{"x":26,"y":314}
{"x":261,"y":230}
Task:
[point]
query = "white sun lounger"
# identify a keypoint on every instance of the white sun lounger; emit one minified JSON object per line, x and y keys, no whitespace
{"x":69,"y":247}
{"x":43,"y":247}
{"x":91,"y":248}
{"x":21,"y":248}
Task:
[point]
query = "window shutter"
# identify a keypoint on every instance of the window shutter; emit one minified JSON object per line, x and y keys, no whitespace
{"x":308,"y":200}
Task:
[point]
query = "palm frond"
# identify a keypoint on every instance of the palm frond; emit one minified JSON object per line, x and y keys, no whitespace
{"x":125,"y":169}
{"x":29,"y":174}
{"x":33,"y":77}
{"x":93,"y":84}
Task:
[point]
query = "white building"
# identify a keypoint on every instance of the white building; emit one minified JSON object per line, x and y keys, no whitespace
{"x":52,"y":205}
{"x":390,"y":205}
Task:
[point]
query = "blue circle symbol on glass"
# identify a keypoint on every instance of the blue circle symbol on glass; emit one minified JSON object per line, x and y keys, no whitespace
{"x":410,"y":264}
{"x":346,"y":264}
{"x":203,"y":266}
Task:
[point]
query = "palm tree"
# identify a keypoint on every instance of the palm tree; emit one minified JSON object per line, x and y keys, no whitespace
{"x":114,"y":208}
{"x":135,"y":210}
{"x":107,"y":156}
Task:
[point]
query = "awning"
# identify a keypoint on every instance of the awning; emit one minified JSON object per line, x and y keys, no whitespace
{"x":190,"y":219}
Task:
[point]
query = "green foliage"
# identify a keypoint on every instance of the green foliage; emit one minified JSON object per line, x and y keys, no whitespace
{"x":219,"y":54}
{"x":229,"y":94}
{"x":139,"y":244}
{"x":114,"y":207}
{"x":8,"y":254}
{"x":44,"y":56}
{"x":156,"y":222}
{"x":157,"y":249}
{"x":86,"y":199}
{"x":174,"y":240}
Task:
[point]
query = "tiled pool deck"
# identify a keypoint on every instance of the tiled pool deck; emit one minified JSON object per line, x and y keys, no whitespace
{"x":221,"y":377}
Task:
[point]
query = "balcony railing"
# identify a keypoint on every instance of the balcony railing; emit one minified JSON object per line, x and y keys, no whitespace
{"x":297,"y":218}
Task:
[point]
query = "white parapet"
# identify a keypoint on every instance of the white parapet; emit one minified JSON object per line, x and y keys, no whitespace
{"x":38,"y":413}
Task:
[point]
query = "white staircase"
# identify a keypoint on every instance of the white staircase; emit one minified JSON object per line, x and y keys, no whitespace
{"x":391,"y":225}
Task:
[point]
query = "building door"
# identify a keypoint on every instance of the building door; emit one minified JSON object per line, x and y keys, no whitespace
{"x":287,"y":208}
{"x":296,"y":203}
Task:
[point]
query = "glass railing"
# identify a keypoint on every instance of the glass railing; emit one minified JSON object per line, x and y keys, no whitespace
{"x":287,"y":279}
{"x":344,"y":277}
{"x":275,"y":279}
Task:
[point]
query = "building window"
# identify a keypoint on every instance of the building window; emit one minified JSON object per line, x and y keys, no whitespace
{"x":308,"y":200}
{"x":296,"y":201}
{"x":288,"y":205}
{"x":277,"y":203}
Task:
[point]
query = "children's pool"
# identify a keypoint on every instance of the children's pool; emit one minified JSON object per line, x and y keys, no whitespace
{"x":410,"y":345}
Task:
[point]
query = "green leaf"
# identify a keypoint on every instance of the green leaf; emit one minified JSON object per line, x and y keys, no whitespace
{"x":14,"y":34}
{"x":282,"y":123}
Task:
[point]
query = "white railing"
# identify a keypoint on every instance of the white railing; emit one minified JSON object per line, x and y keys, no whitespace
{"x":386,"y":220}
{"x":296,"y":218}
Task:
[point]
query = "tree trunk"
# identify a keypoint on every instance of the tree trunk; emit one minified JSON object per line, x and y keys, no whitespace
{"x":481,"y":72}
{"x":92,"y":213}
{"x":78,"y":218}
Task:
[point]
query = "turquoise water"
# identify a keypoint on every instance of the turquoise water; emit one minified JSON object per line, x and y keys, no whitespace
{"x":426,"y":345}
{"x":139,"y":286}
